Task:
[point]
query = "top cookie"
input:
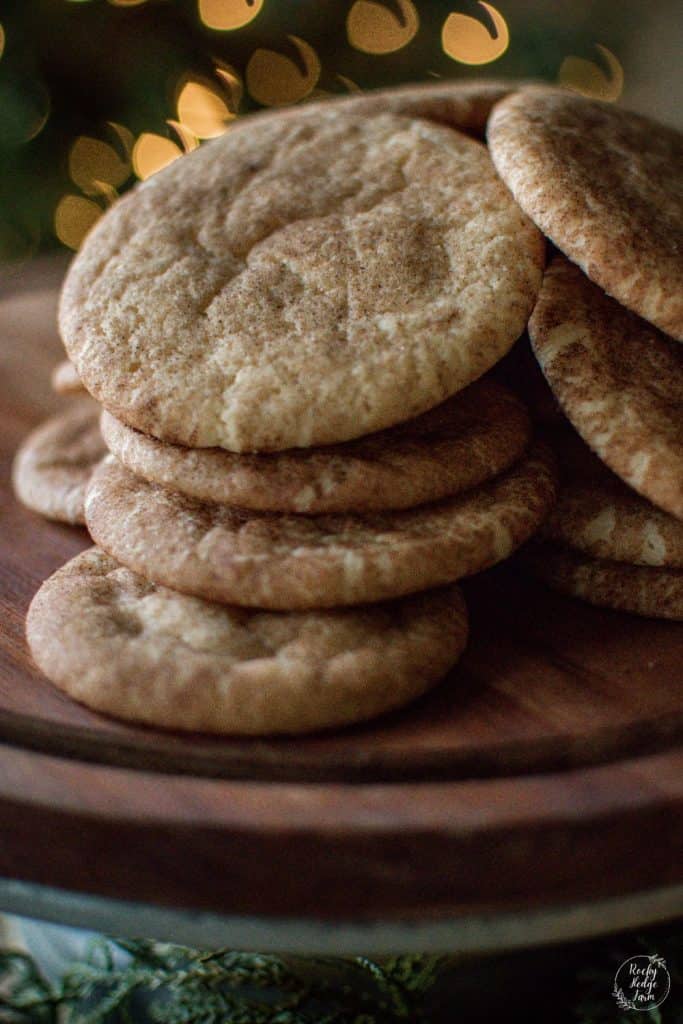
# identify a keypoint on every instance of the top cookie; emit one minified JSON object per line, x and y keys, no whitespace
{"x":464,"y":105}
{"x":304,"y":281}
{"x":606,"y":186}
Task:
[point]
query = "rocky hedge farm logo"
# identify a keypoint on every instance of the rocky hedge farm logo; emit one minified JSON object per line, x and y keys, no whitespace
{"x":641,"y":983}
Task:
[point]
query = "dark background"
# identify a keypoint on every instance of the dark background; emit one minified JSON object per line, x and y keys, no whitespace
{"x":95,"y":94}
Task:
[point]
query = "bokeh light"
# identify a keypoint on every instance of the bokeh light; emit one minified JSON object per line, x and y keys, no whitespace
{"x":24,"y":110}
{"x":348,"y":83}
{"x":188,"y":140}
{"x":373,"y":28}
{"x":74,"y":217}
{"x":202,"y":109}
{"x":92,"y":162}
{"x":275,"y":80}
{"x":152,"y":152}
{"x":232,"y":83}
{"x":469,"y":41}
{"x":97,"y":94}
{"x":123,"y":135}
{"x":586,"y":77}
{"x":228,"y":15}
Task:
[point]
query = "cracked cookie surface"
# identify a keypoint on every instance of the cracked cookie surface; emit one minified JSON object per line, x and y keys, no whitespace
{"x":304,"y":281}
{"x":618,"y":379}
{"x":469,"y":438}
{"x":605,"y":185}
{"x":297,"y":561}
{"x":127,"y":647}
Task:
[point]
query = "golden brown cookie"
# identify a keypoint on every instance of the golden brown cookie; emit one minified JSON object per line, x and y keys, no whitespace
{"x":598,"y":514}
{"x":289,"y":561}
{"x":65,"y":380}
{"x":303,"y":282}
{"x":606,"y":186}
{"x":642,"y":589}
{"x":55,"y":462}
{"x":617,"y":378}
{"x":141,"y":652}
{"x":469,"y":438}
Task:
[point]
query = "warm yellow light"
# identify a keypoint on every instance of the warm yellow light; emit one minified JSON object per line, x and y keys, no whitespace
{"x":589,"y":79}
{"x":201,"y":108}
{"x":124,"y":135}
{"x":234,"y":85}
{"x":188,"y":140}
{"x":2,"y":40}
{"x":74,"y":217}
{"x":152,"y":152}
{"x":274,"y":80}
{"x":373,"y":28}
{"x":92,"y":161}
{"x":349,"y":83}
{"x":468,"y":41}
{"x":227,"y":15}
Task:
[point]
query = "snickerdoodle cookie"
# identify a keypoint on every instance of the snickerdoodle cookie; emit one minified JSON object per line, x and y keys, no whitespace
{"x":598,"y":514}
{"x":127,"y":647}
{"x":54,"y":464}
{"x":306,"y":281}
{"x":655,"y":592}
{"x":469,"y":438}
{"x":295,"y":561}
{"x":606,"y":186}
{"x":618,"y":379}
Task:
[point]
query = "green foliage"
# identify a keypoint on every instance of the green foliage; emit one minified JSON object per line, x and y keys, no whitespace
{"x":168,"y":984}
{"x":25,"y":996}
{"x":162,"y":983}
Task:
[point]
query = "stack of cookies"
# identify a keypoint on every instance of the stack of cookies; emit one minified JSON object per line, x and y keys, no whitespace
{"x":290,"y":334}
{"x":605,"y":186}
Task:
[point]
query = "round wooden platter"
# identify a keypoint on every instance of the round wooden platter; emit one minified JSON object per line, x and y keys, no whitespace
{"x":545,"y":770}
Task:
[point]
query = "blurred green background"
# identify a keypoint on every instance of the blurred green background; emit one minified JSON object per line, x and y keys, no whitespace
{"x":96,"y":94}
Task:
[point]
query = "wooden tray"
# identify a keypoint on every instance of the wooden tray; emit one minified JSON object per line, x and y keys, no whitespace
{"x":546,"y":769}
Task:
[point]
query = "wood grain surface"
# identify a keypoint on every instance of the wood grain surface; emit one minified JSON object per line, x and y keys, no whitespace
{"x":546,"y":768}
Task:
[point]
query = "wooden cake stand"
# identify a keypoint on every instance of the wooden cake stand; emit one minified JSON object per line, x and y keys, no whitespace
{"x":535,"y":795}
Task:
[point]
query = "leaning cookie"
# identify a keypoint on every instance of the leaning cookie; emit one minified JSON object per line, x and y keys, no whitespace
{"x":54,"y":464}
{"x":604,"y":184}
{"x":618,"y":379}
{"x":642,"y":589}
{"x":596,"y":512}
{"x":470,"y":438}
{"x":144,"y":653}
{"x":296,"y":561}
